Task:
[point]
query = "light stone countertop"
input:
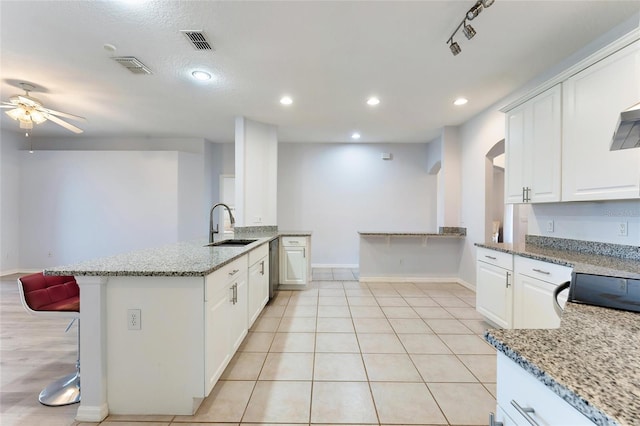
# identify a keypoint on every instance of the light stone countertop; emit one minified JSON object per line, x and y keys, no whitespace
{"x":592,"y":361}
{"x":183,"y":259}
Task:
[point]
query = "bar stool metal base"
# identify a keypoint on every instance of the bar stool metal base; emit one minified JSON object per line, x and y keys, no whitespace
{"x":64,"y":391}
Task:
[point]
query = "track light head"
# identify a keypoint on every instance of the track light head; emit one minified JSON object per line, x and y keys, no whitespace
{"x":455,"y":48}
{"x":487,"y":3}
{"x":475,"y":10}
{"x":468,"y":31}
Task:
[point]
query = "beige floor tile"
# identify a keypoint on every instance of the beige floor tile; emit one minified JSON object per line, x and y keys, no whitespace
{"x":391,"y":301}
{"x":293,"y":342}
{"x":477,"y":402}
{"x":349,"y":402}
{"x":477,"y":326}
{"x":335,"y":325}
{"x":372,"y":325}
{"x":244,"y":366}
{"x":410,"y":325}
{"x":453,"y":302}
{"x":329,"y":285}
{"x":287,"y":366}
{"x":297,"y":325}
{"x":390,"y":368}
{"x":266,"y":324}
{"x":331,"y":292}
{"x":423,"y":301}
{"x":333,"y":301}
{"x":428,"y":312}
{"x":307,"y":292}
{"x":334,"y":311}
{"x":226,"y":403}
{"x":470,"y":300}
{"x":399,"y":312}
{"x":448,"y":326}
{"x":303,"y":301}
{"x":423,"y":344}
{"x":301,"y":311}
{"x":469,"y":344}
{"x":337,"y":342}
{"x":491,"y":387}
{"x":482,"y":366}
{"x":465,"y":313}
{"x":362,"y":291}
{"x":279,"y":402}
{"x":112,"y":423}
{"x":366,"y":312}
{"x":406,"y":403}
{"x":257,"y":342}
{"x":362,"y":301}
{"x":442,"y":368}
{"x":385,"y":292}
{"x":137,"y":418}
{"x":380,"y":343}
{"x":273,"y":311}
{"x":339,"y":367}
{"x":354,"y":285}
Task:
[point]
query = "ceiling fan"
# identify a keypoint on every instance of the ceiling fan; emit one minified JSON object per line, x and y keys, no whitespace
{"x":29,"y":110}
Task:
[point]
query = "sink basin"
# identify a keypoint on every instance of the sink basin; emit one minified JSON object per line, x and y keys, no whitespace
{"x":231,"y":242}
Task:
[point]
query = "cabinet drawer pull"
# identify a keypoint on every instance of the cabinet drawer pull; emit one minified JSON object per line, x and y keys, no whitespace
{"x":235,"y":271}
{"x":508,"y":275}
{"x":293,"y":242}
{"x":262,"y":268}
{"x":525,"y":412}
{"x":541,"y":271}
{"x":493,"y":421}
{"x":304,"y":252}
{"x":233,"y":297}
{"x":235,"y":293}
{"x":490,"y":257}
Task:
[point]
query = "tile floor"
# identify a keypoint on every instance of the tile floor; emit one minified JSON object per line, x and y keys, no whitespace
{"x":340,"y":352}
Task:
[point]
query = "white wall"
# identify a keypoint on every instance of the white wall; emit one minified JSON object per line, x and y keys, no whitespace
{"x":336,"y":190}
{"x":9,"y":202}
{"x":193,"y":221}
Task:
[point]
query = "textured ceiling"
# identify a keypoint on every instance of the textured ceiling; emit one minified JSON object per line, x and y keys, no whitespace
{"x":328,"y":55}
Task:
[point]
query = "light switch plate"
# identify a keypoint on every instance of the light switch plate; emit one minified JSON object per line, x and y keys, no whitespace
{"x":622,"y":229}
{"x":549,"y":226}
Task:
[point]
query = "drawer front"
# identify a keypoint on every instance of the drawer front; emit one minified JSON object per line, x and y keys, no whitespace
{"x":545,"y":271}
{"x":493,"y":257}
{"x":257,"y":254}
{"x":515,"y":385}
{"x":221,"y":277}
{"x":294,"y":241}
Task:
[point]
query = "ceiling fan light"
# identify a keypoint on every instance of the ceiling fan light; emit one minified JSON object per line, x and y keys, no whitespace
{"x":455,"y":48}
{"x":38,"y":117}
{"x":468,"y":31}
{"x":24,"y":124}
{"x":15,"y":113}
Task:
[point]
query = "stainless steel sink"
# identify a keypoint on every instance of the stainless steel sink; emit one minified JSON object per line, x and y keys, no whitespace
{"x":231,"y":242}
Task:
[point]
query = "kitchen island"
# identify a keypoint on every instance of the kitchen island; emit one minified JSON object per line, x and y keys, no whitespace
{"x":160,"y":325}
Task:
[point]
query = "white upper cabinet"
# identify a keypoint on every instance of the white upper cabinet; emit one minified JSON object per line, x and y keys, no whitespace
{"x":592,"y":102}
{"x":533,"y":149}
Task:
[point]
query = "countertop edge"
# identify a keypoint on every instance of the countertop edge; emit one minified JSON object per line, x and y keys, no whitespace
{"x":412,"y":234}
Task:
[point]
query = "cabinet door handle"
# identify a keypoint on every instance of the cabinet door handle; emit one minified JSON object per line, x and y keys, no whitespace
{"x":262,"y":268}
{"x":492,"y":420}
{"x":525,"y":412}
{"x":304,"y":252}
{"x":542,"y":271}
{"x":233,"y":292}
{"x":490,"y":257}
{"x":232,"y":273}
{"x":528,"y":194}
{"x":508,"y":275}
{"x":523,"y":194}
{"x":292,"y":242}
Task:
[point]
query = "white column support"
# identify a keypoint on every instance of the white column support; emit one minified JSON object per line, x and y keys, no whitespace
{"x":93,"y":349}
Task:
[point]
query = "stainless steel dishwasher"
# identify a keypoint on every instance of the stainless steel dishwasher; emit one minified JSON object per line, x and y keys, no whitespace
{"x":274,"y":266}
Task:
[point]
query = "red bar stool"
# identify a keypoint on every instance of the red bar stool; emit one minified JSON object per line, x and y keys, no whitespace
{"x":55,"y":296}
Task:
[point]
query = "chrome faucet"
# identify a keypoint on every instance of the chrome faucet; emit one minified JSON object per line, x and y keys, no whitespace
{"x":212,"y":231}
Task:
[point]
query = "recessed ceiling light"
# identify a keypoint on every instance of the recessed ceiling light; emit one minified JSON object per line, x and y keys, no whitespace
{"x":355,"y":135}
{"x":460,"y":101}
{"x":201,"y":75}
{"x":286,"y":100}
{"x":373,"y":101}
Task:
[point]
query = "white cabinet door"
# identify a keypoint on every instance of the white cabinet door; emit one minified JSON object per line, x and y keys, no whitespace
{"x":533,"y":304}
{"x":293,"y":265}
{"x":533,"y":148}
{"x":494,"y":297}
{"x":239,"y":309}
{"x":217,"y":336}
{"x":592,"y":102}
{"x":258,"y":288}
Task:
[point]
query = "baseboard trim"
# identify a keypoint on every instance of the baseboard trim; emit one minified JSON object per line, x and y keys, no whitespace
{"x":92,"y":413}
{"x":335,"y":265}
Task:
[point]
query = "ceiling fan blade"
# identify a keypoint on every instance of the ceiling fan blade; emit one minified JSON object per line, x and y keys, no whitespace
{"x":7,"y":106}
{"x":61,"y":114}
{"x":28,"y":101}
{"x":62,"y":123}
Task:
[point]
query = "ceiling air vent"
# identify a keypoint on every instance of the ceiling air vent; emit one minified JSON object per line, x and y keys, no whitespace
{"x":132,"y":64}
{"x":197,"y":39}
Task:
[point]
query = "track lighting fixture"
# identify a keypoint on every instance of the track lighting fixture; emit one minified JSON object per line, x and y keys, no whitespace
{"x":468,"y":31}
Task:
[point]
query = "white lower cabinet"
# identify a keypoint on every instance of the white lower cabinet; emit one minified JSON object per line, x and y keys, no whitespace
{"x":494,"y":299}
{"x":523,"y":399}
{"x":535,"y":281}
{"x":239,"y":308}
{"x":294,"y":261}
{"x":258,"y":285}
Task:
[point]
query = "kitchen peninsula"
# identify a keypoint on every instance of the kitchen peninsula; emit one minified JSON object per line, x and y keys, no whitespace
{"x":160,"y":325}
{"x":398,"y":256}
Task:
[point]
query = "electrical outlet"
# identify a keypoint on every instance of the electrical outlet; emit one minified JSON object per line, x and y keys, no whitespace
{"x":133,"y":319}
{"x":50,"y":254}
{"x":622,"y":229}
{"x":549,"y":226}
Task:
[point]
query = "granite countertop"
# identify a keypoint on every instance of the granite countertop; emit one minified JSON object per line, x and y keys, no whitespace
{"x":592,"y":361}
{"x":183,"y":259}
{"x":442,"y":232}
{"x":589,"y":263}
